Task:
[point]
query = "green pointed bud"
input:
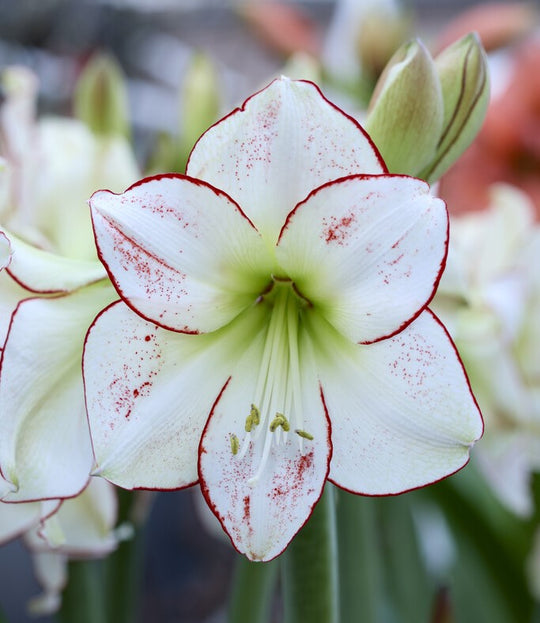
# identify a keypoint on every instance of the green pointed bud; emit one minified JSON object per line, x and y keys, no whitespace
{"x":463,"y":72}
{"x":302,"y":66}
{"x":163,"y":155}
{"x":200,"y":102}
{"x":405,"y":115}
{"x":100,"y":98}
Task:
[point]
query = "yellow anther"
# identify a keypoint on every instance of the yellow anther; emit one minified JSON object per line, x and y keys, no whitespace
{"x":255,"y":415}
{"x":304,"y":434}
{"x":235,"y":444}
{"x":252,"y":419}
{"x":279,"y":420}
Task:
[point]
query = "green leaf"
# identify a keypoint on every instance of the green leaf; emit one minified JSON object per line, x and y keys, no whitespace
{"x":492,"y":545}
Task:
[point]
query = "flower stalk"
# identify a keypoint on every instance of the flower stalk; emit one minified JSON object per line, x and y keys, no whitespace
{"x":309,"y":568}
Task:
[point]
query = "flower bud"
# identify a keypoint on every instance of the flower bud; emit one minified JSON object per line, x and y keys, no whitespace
{"x":405,"y":114}
{"x":380,"y":34}
{"x":100,"y":98}
{"x":462,"y":70}
{"x":200,"y":102}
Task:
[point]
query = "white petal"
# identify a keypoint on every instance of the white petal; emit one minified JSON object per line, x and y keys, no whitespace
{"x":367,"y":251}
{"x":83,"y":525}
{"x":180,"y":252}
{"x":261,"y":516}
{"x":74,"y":163}
{"x":505,"y":463}
{"x":149,"y":392}
{"x":282,"y":143}
{"x":44,"y":272}
{"x":51,"y":572}
{"x":18,"y":518}
{"x":5,"y":250}
{"x":45,"y":449}
{"x":402,"y":412}
{"x":11,"y":293}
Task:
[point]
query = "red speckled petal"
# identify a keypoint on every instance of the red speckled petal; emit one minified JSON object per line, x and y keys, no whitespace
{"x":262,"y":517}
{"x":149,"y":392}
{"x":368,"y":252}
{"x":402,"y":410}
{"x":282,"y":143}
{"x":180,"y":252}
{"x":45,"y":449}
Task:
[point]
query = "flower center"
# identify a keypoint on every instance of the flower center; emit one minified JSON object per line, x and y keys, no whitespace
{"x":276,"y":409}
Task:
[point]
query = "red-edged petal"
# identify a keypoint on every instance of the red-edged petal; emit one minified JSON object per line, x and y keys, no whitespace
{"x":149,"y":392}
{"x":47,"y":273}
{"x":45,"y":449}
{"x":402,"y":410}
{"x":5,"y":250}
{"x":282,"y":143}
{"x":181,"y":253}
{"x":367,"y":251}
{"x":18,"y":518}
{"x":261,"y":501}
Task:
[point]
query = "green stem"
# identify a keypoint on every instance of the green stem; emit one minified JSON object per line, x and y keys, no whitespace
{"x":83,"y":599}
{"x":359,"y":558}
{"x":123,"y":568}
{"x":309,"y":566}
{"x":252,"y":590}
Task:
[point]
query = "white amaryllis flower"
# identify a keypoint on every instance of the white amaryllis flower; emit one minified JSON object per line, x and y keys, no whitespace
{"x":51,"y":290}
{"x":281,"y":335}
{"x":489,"y":298}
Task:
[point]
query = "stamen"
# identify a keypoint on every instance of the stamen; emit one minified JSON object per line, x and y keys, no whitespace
{"x":279,"y":420}
{"x":235,"y":444}
{"x":253,"y":419}
{"x":278,"y":388}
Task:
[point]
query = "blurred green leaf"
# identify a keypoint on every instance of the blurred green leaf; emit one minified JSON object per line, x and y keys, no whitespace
{"x":492,"y":546}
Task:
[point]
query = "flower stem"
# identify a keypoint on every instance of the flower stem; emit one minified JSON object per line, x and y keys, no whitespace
{"x":252,"y":589}
{"x":360,"y":562}
{"x":309,"y":567}
{"x":83,"y":599}
{"x":123,"y":569}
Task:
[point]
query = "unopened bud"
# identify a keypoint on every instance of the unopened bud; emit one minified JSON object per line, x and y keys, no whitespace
{"x":200,"y":102}
{"x":463,"y":73}
{"x":405,"y":115}
{"x":382,"y":31}
{"x":100,"y":98}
